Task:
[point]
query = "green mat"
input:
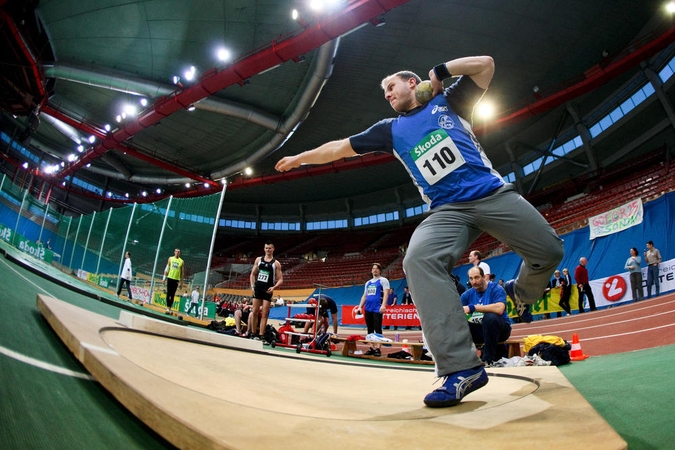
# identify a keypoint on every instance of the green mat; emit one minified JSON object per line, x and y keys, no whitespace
{"x":633,"y":392}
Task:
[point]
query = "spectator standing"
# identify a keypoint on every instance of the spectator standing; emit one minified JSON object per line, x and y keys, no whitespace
{"x":173,"y":277}
{"x":126,"y":275}
{"x":488,"y":320}
{"x":635,"y":274}
{"x":653,"y":259}
{"x":566,"y":291}
{"x":373,"y":303}
{"x":583,"y":286}
{"x":392,"y":300}
{"x":407,"y":300}
{"x":564,"y":283}
{"x":476,"y":258}
{"x":194,"y":301}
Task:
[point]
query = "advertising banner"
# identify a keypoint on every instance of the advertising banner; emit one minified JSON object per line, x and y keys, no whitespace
{"x":181,"y":305}
{"x":397,"y":315}
{"x":5,"y":234}
{"x":35,"y":250}
{"x":616,"y":289}
{"x":139,"y":293}
{"x":616,"y":220}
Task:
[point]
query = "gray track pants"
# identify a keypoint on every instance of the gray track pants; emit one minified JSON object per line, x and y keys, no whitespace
{"x":443,"y":237}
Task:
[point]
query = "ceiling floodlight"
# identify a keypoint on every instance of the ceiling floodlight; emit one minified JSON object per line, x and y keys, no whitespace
{"x":25,"y":165}
{"x":129,"y":110}
{"x":80,"y":148}
{"x":323,"y":5}
{"x":191,"y":108}
{"x":71,"y":157}
{"x":190,"y":73}
{"x":224,"y":54}
{"x":144,"y":194}
{"x":187,"y":185}
{"x":118,"y":118}
{"x":176,"y":80}
{"x":109,"y":194}
{"x":248,"y":171}
{"x":107,"y":127}
{"x":670,"y":7}
{"x":126,"y":194}
{"x":92,"y":139}
{"x":158,"y":191}
{"x":206,"y":185}
{"x":144,"y":102}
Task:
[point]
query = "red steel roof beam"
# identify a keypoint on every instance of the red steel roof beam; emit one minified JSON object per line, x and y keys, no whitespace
{"x":355,"y":14}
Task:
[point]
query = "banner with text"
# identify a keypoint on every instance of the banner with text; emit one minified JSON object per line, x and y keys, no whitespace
{"x":616,"y":288}
{"x":397,"y":315}
{"x":616,"y":220}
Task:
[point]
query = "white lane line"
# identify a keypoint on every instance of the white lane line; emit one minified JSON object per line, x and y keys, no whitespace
{"x":43,"y":365}
{"x":630,"y":332}
{"x":576,"y":328}
{"x":32,"y":361}
{"x":29,"y":281}
{"x":538,"y":327}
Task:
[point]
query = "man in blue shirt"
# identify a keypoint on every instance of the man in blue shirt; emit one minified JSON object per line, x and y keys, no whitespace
{"x":466,"y":197}
{"x":373,"y":304}
{"x":485,"y":306}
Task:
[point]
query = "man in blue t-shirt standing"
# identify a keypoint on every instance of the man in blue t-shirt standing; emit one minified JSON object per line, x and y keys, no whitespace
{"x":485,"y":303}
{"x":373,"y":304}
{"x":466,"y":197}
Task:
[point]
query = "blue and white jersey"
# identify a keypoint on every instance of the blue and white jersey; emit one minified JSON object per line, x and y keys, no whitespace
{"x":494,"y":293}
{"x":437,"y":146}
{"x":374,"y":293}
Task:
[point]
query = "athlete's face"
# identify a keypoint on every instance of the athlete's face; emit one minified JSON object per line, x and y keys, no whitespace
{"x":400,"y":93}
{"x":269,"y":250}
{"x":477,"y":280}
{"x":176,"y":253}
{"x":376,"y":271}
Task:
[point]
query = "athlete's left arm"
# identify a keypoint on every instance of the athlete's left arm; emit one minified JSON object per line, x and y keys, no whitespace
{"x":479,"y":68}
{"x":497,"y":308}
{"x":279,"y":275}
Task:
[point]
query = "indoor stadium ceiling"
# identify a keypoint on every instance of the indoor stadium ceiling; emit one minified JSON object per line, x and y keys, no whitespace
{"x":289,"y":85}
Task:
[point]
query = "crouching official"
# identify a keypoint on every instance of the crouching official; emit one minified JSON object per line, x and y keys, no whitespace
{"x":485,"y":306}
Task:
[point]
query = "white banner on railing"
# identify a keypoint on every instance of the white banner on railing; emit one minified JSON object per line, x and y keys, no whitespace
{"x":618,"y":219}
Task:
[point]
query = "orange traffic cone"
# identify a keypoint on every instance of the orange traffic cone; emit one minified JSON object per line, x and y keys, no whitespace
{"x":576,"y":354}
{"x":404,"y":347}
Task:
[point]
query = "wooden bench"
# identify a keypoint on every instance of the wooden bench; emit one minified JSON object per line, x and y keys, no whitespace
{"x":416,"y":349}
{"x":514,"y":347}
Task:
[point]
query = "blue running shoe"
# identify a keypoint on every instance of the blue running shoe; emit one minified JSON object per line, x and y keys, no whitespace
{"x":522,"y":309}
{"x":456,"y":386}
